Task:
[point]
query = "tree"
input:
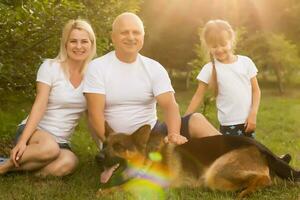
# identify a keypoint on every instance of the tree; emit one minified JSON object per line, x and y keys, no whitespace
{"x":274,"y":54}
{"x":31,"y":29}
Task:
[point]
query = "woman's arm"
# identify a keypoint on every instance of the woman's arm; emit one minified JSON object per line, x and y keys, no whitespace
{"x":37,"y":111}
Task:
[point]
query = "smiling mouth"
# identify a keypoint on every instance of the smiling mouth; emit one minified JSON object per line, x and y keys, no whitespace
{"x":79,"y":52}
{"x":130,"y":44}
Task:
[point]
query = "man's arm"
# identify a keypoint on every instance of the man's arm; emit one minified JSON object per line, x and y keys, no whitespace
{"x":172,"y":118}
{"x":96,"y":104}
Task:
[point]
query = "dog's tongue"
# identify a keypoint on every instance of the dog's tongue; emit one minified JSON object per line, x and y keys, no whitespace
{"x":107,"y":173}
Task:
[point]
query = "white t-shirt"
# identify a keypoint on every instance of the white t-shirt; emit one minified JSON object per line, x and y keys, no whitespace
{"x":234,"y":98}
{"x":65,"y":103}
{"x":129,"y":90}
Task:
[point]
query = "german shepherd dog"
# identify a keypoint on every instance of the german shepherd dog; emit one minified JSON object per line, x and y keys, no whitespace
{"x":225,"y":163}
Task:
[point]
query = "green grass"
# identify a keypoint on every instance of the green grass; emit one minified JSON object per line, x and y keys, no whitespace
{"x":278,"y":128}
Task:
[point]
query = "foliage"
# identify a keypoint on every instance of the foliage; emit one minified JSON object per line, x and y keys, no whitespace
{"x":30,"y":32}
{"x":274,"y":55}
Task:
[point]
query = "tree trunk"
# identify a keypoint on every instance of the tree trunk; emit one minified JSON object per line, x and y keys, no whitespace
{"x":187,"y":79}
{"x":279,"y":80}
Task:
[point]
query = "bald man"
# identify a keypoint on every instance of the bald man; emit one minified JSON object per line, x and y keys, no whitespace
{"x":123,"y":88}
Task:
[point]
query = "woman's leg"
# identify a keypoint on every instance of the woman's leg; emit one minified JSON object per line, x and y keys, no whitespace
{"x":199,"y":126}
{"x":41,"y":150}
{"x":63,"y":165}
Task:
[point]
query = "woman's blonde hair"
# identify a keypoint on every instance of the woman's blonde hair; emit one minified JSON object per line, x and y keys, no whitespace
{"x":79,"y":24}
{"x":213,"y":35}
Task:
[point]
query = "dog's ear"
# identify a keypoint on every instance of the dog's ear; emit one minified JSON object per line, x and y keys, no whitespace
{"x":141,"y":136}
{"x":108,"y":129}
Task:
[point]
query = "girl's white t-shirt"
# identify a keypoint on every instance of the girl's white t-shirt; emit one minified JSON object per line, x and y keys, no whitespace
{"x":65,"y":103}
{"x":234,"y":97}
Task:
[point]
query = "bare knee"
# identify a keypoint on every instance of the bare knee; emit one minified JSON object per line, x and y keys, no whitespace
{"x":199,"y":126}
{"x":49,"y":151}
{"x":197,"y":116}
{"x":44,"y":146}
{"x":65,"y":166}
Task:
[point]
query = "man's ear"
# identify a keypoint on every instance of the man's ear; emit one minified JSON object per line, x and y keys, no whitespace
{"x":141,"y":136}
{"x":108,"y":129}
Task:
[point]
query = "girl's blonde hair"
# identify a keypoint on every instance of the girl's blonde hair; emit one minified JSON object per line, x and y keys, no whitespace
{"x":79,"y":24}
{"x":213,"y":35}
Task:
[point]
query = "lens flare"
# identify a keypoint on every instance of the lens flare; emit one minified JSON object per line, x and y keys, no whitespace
{"x":147,"y":181}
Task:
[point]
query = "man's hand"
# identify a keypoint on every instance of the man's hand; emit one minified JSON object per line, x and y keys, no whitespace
{"x":175,"y":139}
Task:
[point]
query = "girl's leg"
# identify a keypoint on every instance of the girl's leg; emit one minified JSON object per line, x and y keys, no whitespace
{"x":61,"y":166}
{"x":41,"y":149}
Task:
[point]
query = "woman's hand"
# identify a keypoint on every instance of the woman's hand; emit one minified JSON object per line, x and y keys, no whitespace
{"x":17,"y":152}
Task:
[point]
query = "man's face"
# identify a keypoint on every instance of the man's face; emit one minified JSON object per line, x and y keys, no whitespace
{"x":128,"y":37}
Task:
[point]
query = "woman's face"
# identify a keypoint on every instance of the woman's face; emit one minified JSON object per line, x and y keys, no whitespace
{"x":78,"y":45}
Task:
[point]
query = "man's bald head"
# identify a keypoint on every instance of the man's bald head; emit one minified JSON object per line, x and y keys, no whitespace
{"x":127,"y":16}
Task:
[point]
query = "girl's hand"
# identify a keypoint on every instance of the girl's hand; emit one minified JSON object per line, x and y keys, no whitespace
{"x":17,"y":152}
{"x":175,"y":139}
{"x":250,"y":123}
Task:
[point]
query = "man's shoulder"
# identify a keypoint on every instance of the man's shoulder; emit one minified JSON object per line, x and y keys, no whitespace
{"x":102,"y":59}
{"x":149,"y":60}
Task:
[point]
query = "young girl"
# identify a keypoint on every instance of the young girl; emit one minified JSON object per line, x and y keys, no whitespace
{"x":233,"y":78}
{"x":43,"y":137}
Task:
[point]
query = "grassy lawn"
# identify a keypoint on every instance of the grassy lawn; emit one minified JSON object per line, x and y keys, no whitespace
{"x":278,"y":128}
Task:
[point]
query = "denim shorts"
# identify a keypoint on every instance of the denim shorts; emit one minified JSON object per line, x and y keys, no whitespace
{"x":238,"y":129}
{"x":21,"y":129}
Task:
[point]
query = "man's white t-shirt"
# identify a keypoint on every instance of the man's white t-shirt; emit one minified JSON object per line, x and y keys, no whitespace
{"x":234,"y":98}
{"x":129,"y":89}
{"x":65,"y":103}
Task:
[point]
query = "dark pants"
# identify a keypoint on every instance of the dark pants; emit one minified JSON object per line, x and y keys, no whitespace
{"x":161,"y":127}
{"x":238,"y":129}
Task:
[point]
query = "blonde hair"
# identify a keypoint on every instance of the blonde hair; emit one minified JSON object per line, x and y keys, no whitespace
{"x":79,"y":24}
{"x":212,"y":35}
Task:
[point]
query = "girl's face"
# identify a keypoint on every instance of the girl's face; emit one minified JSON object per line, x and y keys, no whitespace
{"x":222,"y":50}
{"x":78,"y":45}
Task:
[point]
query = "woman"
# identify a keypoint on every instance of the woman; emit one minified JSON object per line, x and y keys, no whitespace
{"x":43,"y":137}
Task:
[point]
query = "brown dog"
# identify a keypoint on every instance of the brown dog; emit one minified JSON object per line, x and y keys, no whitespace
{"x":226,"y":163}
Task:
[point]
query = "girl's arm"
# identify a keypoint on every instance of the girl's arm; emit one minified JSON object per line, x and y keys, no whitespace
{"x":251,"y":120}
{"x":37,"y":111}
{"x":197,"y":98}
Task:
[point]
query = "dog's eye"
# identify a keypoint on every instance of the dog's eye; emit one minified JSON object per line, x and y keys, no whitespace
{"x":118,"y":147}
